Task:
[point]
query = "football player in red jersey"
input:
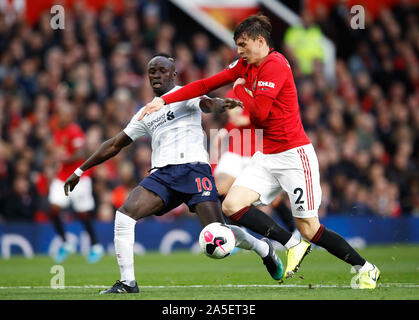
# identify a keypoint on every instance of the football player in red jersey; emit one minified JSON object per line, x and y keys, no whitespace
{"x":68,"y":149}
{"x":264,"y":82}
{"x":243,"y":142}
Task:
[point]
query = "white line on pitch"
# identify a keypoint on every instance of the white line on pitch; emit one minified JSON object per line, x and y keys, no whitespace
{"x":384,"y":285}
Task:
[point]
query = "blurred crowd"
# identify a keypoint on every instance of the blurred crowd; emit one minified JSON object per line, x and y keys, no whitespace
{"x":364,"y":125}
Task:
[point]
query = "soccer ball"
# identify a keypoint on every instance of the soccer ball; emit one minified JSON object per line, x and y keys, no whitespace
{"x":217,"y":240}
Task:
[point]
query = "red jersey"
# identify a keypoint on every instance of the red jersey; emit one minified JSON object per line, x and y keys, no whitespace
{"x":269,"y":95}
{"x":69,"y":139}
{"x":249,"y":141}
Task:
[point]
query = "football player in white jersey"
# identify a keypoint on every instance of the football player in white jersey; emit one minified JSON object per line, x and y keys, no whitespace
{"x":180,"y":173}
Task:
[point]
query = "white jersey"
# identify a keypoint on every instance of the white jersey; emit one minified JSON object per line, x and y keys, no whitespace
{"x":176,"y":133}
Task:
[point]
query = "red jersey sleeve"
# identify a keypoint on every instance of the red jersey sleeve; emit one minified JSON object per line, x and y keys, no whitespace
{"x":200,"y":87}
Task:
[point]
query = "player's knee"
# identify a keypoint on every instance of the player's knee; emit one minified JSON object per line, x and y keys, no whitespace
{"x":128,"y":210}
{"x":307,"y":227}
{"x":229,"y":207}
{"x":306,"y":233}
{"x":222,"y":190}
{"x":222,"y":187}
{"x":223,"y":183}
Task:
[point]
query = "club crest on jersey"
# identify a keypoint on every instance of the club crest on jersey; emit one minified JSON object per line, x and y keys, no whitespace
{"x":266,"y":84}
{"x":250,"y":93}
{"x":233,"y":64}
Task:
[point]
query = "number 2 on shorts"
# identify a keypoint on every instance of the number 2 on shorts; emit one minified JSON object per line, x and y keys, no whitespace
{"x":300,"y":191}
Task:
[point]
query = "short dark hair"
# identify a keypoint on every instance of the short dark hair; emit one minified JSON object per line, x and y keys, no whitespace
{"x":254,"y":26}
{"x":165,"y":55}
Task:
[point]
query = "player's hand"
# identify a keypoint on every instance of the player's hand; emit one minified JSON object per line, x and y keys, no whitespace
{"x":239,"y":81}
{"x":70,"y":183}
{"x":230,"y":103}
{"x":239,"y":120}
{"x":151,"y":107}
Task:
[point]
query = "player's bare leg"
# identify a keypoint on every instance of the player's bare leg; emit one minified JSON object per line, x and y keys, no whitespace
{"x":237,"y":198}
{"x":209,"y":212}
{"x":223,"y":183}
{"x":311,"y":229}
{"x":140,"y":203}
{"x":308,"y":226}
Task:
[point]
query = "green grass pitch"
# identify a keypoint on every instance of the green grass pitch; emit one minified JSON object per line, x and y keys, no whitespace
{"x":186,"y":276}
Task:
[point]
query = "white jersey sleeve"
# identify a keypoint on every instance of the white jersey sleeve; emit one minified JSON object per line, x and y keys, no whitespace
{"x":135,"y":128}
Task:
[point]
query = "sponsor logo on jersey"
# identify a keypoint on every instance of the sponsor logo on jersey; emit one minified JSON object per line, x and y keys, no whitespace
{"x":232,"y":65}
{"x":160,"y":120}
{"x":300,"y":208}
{"x":266,"y":84}
{"x":170,"y":115}
{"x":157,"y":122}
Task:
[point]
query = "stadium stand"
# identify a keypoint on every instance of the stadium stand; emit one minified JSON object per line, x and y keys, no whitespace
{"x":365,"y":128}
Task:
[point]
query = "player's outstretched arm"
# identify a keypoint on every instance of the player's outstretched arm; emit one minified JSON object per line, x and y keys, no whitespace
{"x":218,"y":105}
{"x":189,"y":91}
{"x":107,"y":150}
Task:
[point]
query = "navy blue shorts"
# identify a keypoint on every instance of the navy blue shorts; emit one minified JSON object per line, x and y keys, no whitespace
{"x":188,"y":183}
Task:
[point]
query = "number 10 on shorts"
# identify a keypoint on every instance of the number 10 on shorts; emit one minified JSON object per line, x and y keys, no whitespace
{"x":204,"y":184}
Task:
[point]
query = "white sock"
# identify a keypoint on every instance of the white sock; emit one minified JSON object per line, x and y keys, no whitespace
{"x":293,"y":241}
{"x":124,"y":246}
{"x":366,"y":267}
{"x":246,"y":241}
